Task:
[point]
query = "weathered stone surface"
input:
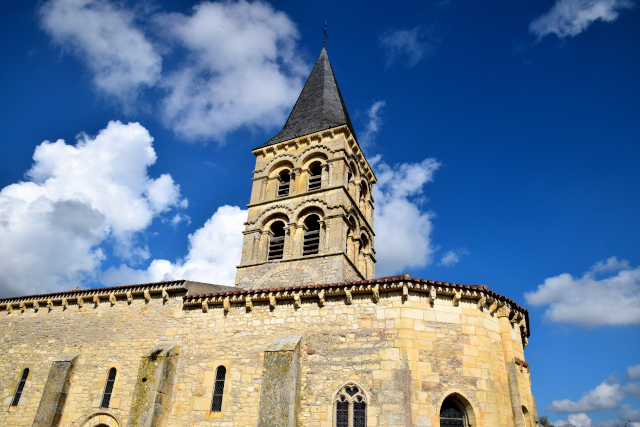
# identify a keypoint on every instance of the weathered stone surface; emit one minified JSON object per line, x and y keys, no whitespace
{"x":280,"y":390}
{"x":55,"y":390}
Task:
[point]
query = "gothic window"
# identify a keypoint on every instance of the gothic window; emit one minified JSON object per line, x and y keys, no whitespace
{"x":284,"y":179}
{"x":276,"y":241}
{"x":218,"y":389}
{"x":21,"y":383}
{"x":108,"y":388}
{"x":452,"y":414}
{"x":351,"y":407}
{"x":315,"y":177}
{"x":311,"y":235}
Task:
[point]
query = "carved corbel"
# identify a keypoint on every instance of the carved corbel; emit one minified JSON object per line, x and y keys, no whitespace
{"x":347,"y":293}
{"x":165,"y":296}
{"x":249,"y":304}
{"x":226,"y":304}
{"x":65,"y":304}
{"x":23,"y":307}
{"x":503,"y":311}
{"x":9,"y":308}
{"x":432,"y":295}
{"x":296,"y":301}
{"x":321,"y":298}
{"x":457,"y":296}
{"x":272,"y":302}
{"x":96,"y":300}
{"x":112,"y":299}
{"x":36,"y":306}
{"x":147,"y":295}
{"x":129,"y":297}
{"x":205,"y":305}
{"x":80,"y":302}
{"x":376,"y":293}
{"x":50,"y":304}
{"x":493,"y":307}
{"x":482,"y":302}
{"x":405,"y":291}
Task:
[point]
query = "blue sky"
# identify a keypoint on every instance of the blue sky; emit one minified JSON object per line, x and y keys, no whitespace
{"x":505,"y":136}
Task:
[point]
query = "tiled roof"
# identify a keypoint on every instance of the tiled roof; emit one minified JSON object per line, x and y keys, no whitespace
{"x":320,"y":105}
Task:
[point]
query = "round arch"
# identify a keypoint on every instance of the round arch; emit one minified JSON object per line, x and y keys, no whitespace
{"x":98,"y":419}
{"x":280,"y":166}
{"x":268,"y":215}
{"x":316,"y":156}
{"x":467,"y":404}
{"x":299,"y":210}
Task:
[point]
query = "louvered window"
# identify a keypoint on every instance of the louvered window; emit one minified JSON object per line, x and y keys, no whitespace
{"x":108,"y":388}
{"x":218,"y":389}
{"x":311,"y":236}
{"x":283,"y":183}
{"x":315,"y":177}
{"x":21,"y":383}
{"x":276,"y":241}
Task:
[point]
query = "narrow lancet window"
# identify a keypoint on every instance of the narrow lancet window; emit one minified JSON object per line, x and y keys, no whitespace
{"x":315,"y":177}
{"x":276,"y":241}
{"x":284,"y":179}
{"x":108,"y":388}
{"x":218,"y":389}
{"x":311,"y":235}
{"x":21,"y":383}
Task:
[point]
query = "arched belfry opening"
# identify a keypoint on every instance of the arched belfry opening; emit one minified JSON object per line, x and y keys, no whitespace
{"x":276,"y":240}
{"x":314,"y":174}
{"x":453,"y":413}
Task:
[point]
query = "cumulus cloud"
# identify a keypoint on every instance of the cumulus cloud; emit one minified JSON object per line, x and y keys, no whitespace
{"x":453,"y":257}
{"x":367,"y":137}
{"x":571,"y":17}
{"x":104,"y":34}
{"x":403,"y":228}
{"x":606,"y":396}
{"x":576,"y":420}
{"x":76,"y":197}
{"x":214,"y":252}
{"x":589,"y":300}
{"x":412,"y":45}
{"x":633,"y":372}
{"x":243,"y":69}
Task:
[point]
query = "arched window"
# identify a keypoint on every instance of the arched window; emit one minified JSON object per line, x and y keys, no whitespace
{"x":315,"y":177}
{"x":311,"y":235}
{"x":276,"y":241}
{"x":351,"y":407}
{"x":218,"y":389}
{"x":108,"y":388}
{"x":527,"y":417}
{"x":284,"y":179}
{"x":21,"y":383}
{"x":452,"y":414}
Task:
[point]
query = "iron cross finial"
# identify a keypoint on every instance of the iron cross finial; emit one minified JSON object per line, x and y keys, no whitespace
{"x":324,"y":43}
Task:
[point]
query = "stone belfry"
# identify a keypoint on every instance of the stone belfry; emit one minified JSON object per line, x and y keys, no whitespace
{"x":311,"y":210}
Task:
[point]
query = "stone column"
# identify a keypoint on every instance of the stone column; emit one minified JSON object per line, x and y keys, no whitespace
{"x":263,"y":254}
{"x":280,"y":388}
{"x":295,"y":178}
{"x":356,"y":251}
{"x":255,"y":251}
{"x":325,"y":176}
{"x":322,"y":245}
{"x":263,"y":188}
{"x":509,"y":358}
{"x":55,"y":392}
{"x":330,"y":177}
{"x":289,"y":248}
{"x":154,"y":385}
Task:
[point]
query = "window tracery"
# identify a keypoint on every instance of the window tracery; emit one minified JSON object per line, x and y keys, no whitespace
{"x":350,"y":407}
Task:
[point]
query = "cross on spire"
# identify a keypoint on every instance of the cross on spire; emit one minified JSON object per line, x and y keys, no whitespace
{"x":324,"y":43}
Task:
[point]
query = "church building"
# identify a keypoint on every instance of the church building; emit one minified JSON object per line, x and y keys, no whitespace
{"x":308,"y":336}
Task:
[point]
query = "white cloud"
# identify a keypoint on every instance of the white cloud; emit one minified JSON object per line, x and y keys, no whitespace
{"x":626,"y":413}
{"x":367,"y":137}
{"x":606,"y":396}
{"x":589,"y":301}
{"x":403,"y":229}
{"x":243,"y":69}
{"x":452,"y":257}
{"x":633,"y":372}
{"x":409,"y":44}
{"x":77,"y":197}
{"x":575,"y":420}
{"x":571,"y":17}
{"x":611,"y":264}
{"x":120,"y":57}
{"x":214,"y":252}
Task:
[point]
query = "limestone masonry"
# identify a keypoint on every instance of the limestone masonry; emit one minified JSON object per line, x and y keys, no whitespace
{"x":307,"y":337}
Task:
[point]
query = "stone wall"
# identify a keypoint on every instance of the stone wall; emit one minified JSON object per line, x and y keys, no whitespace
{"x":408,"y":348}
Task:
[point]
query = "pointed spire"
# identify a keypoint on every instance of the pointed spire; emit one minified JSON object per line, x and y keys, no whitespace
{"x":320,"y":105}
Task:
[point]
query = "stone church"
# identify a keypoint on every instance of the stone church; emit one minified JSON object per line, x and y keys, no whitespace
{"x":307,"y":337}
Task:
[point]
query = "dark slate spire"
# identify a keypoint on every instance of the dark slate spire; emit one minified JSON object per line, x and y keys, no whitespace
{"x":320,"y":105}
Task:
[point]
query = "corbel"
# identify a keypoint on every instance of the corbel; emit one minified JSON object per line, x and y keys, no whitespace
{"x":147,"y":295}
{"x":80,"y":302}
{"x":432,"y":294}
{"x":65,"y":303}
{"x":96,"y":300}
{"x":347,"y":293}
{"x":226,"y":304}
{"x":376,"y":293}
{"x":482,"y":302}
{"x":36,"y":306}
{"x":405,"y":291}
{"x":112,"y":299}
{"x":9,"y":308}
{"x":129,"y":297}
{"x":457,"y":296}
{"x":296,"y":301}
{"x":23,"y":307}
{"x":205,"y":305}
{"x":493,"y":307}
{"x":165,"y":296}
{"x":249,"y":303}
{"x":321,"y":298}
{"x":50,"y":304}
{"x":272,"y":302}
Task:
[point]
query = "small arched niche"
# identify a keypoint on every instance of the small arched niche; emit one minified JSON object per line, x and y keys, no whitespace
{"x":276,"y":240}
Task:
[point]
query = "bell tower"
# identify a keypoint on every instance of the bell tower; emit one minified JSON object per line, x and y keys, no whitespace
{"x":311,"y":210}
